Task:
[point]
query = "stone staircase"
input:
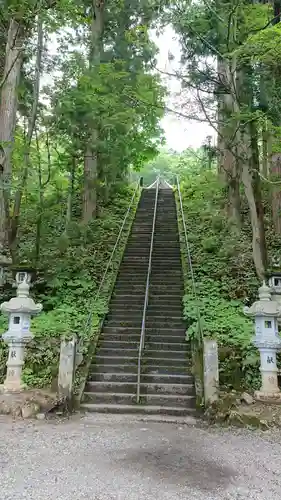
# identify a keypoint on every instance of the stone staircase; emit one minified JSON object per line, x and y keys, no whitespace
{"x":166,"y":383}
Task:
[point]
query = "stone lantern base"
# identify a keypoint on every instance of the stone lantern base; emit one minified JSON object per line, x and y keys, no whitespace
{"x":268,"y":397}
{"x":12,"y":388}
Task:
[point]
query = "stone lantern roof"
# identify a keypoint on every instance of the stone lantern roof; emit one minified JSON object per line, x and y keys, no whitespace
{"x":264,"y":306}
{"x":22,"y":302}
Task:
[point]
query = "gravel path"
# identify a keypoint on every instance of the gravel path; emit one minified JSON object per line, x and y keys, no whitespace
{"x":105,"y":457}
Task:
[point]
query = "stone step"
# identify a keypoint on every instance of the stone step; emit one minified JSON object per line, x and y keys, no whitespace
{"x":125,"y":330}
{"x":116,"y":360}
{"x":110,"y":397}
{"x":113,"y":338}
{"x":121,"y":337}
{"x":114,"y":377}
{"x":154,"y":302}
{"x":137,"y":315}
{"x":138,"y":409}
{"x":173,"y":400}
{"x":170,"y":304}
{"x":112,"y":387}
{"x":120,"y":352}
{"x":142,"y":266}
{"x":153,"y":296}
{"x":169,"y":272}
{"x":167,"y":389}
{"x":166,"y":346}
{"x":165,"y":369}
{"x":116,"y":323}
{"x":178,"y":355}
{"x":145,"y":388}
{"x":158,"y":322}
{"x":149,"y":359}
{"x":167,"y":239}
{"x":131,"y":281}
{"x":123,"y":344}
{"x":118,"y":367}
{"x":122,"y":310}
{"x":150,"y":340}
{"x":158,"y":254}
{"x":135,"y":252}
{"x":143,"y":258}
{"x":155,"y":289}
{"x":167,"y":379}
{"x":168,"y":282}
{"x":155,"y":322}
{"x":133,"y":267}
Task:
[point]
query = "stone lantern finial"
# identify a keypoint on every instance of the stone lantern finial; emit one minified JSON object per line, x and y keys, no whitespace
{"x":264,"y":292}
{"x":23,"y":289}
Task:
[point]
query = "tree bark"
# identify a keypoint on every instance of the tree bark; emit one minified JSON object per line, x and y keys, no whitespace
{"x":8,"y":109}
{"x":68,"y":215}
{"x":257,"y":188}
{"x":265,"y":150}
{"x":91,"y":152}
{"x":41,"y":186}
{"x":228,"y":166}
{"x":276,"y":191}
{"x":251,"y":181}
{"x":14,"y":223}
{"x":256,"y":236}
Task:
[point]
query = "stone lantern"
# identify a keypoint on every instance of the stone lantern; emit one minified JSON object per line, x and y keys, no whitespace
{"x":266,"y":311}
{"x":20,"y":309}
{"x":275,"y":286}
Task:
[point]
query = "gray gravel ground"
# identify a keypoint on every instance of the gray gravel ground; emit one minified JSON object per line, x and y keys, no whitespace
{"x":106,"y":457}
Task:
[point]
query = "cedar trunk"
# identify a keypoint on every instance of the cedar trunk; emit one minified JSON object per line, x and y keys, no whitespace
{"x":91,"y":151}
{"x":8,"y":109}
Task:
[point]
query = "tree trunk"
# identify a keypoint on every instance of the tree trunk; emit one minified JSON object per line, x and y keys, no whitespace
{"x":276,"y":191}
{"x":68,"y":215}
{"x":41,"y":187}
{"x":91,"y":153}
{"x":90,"y":179}
{"x":265,"y":150}
{"x":8,"y":109}
{"x":228,"y":166}
{"x":31,"y":126}
{"x":3,"y":42}
{"x":251,"y":181}
{"x":257,"y":188}
{"x":256,"y":236}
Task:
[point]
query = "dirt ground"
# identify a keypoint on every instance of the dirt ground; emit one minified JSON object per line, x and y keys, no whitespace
{"x":111,"y":457}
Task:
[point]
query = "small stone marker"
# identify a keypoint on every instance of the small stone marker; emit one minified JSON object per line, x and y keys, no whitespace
{"x":211,"y":371}
{"x":67,"y":368}
{"x":247,"y":398}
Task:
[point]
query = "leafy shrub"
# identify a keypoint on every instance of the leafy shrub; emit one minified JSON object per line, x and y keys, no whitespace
{"x":72,"y":277}
{"x":224,"y":277}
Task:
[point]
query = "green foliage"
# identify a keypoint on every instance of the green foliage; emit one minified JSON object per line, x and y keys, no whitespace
{"x":224,"y":279}
{"x":126,"y":113}
{"x":71,"y":279}
{"x":224,"y":321}
{"x":169,"y":164}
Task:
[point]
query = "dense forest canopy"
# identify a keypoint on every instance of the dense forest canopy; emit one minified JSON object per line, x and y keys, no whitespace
{"x":70,"y":149}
